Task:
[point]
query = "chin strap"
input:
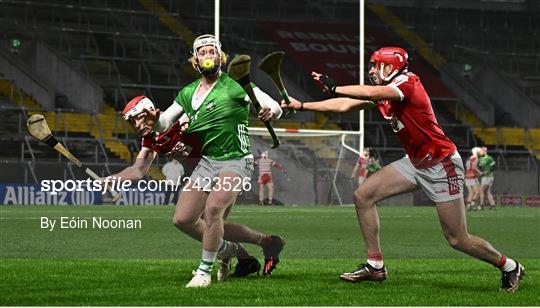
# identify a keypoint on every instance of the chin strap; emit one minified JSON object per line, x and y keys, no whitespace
{"x":387,"y":79}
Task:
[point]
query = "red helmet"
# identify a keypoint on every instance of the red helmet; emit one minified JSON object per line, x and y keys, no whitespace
{"x":395,"y":56}
{"x":136,"y":106}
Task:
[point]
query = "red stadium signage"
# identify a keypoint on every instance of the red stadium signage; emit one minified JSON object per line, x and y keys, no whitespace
{"x":511,"y":200}
{"x":533,"y":201}
{"x":333,"y":49}
{"x":330,"y":49}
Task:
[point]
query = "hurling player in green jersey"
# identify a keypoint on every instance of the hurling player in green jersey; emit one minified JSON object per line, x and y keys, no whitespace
{"x":217,"y":109}
{"x":486,"y":164}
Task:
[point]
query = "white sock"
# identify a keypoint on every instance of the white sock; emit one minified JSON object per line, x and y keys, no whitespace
{"x":207,"y":262}
{"x":509,"y":266}
{"x":376,"y":264}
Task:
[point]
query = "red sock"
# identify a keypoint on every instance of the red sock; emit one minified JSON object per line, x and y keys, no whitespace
{"x":375,"y":256}
{"x":502,"y":262}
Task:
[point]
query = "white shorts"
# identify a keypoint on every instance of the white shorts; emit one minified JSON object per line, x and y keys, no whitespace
{"x":442,"y":182}
{"x":208,"y":170}
{"x":471,"y":182}
{"x":487,"y":180}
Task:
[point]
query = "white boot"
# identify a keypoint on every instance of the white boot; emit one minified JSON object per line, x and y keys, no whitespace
{"x":199,"y":280}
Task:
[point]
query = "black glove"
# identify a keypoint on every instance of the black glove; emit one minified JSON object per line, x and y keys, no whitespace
{"x":329,"y":84}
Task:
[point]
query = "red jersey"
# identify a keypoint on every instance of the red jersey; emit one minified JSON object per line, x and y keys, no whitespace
{"x":413,"y":120}
{"x":471,"y":168}
{"x":165,"y":143}
{"x":362,"y":167}
{"x":266,"y":164}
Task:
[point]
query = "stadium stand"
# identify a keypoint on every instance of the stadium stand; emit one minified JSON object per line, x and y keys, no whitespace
{"x":146,"y":53}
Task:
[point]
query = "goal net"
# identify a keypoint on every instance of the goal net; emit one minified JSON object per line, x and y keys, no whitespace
{"x":318,"y":165}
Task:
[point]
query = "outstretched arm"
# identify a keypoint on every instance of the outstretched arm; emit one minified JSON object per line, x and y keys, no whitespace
{"x":139,"y":168}
{"x":372,"y":93}
{"x":338,"y":104}
{"x":278,"y":166}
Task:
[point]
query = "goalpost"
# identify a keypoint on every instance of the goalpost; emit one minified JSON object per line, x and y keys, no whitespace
{"x":320,"y":163}
{"x":344,"y":148}
{"x":361,"y":73}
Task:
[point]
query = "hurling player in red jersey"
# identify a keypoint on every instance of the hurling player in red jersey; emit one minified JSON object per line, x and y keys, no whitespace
{"x":471,"y":179}
{"x":170,"y":143}
{"x":186,"y":149}
{"x":360,"y":169}
{"x":431,"y":164}
{"x":265,"y":165}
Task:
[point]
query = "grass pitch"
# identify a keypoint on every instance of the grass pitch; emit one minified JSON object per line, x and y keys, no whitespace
{"x":151,"y":265}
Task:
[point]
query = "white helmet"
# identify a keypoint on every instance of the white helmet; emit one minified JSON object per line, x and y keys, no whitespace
{"x":136,"y":106}
{"x":207,"y":40}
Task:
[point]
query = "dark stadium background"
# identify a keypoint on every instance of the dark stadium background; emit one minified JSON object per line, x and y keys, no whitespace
{"x":79,"y":62}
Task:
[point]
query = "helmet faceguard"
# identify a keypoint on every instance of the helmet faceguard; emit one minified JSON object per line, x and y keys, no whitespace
{"x":395,"y":56}
{"x":208,"y":66}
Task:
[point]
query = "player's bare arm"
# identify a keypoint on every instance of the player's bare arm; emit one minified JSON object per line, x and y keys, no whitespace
{"x":367,"y":92}
{"x":338,"y":104}
{"x":139,"y":168}
{"x":374,"y":93}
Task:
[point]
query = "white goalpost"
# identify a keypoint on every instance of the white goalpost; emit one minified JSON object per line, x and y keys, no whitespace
{"x":347,"y":150}
{"x":361,"y":73}
{"x":336,"y":152}
{"x":216,"y":19}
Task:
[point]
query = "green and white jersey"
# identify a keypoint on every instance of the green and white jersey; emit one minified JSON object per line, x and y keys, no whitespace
{"x":486,"y":164}
{"x":220,"y":120}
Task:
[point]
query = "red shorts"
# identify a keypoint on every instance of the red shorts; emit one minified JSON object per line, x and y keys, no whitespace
{"x":265,"y":178}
